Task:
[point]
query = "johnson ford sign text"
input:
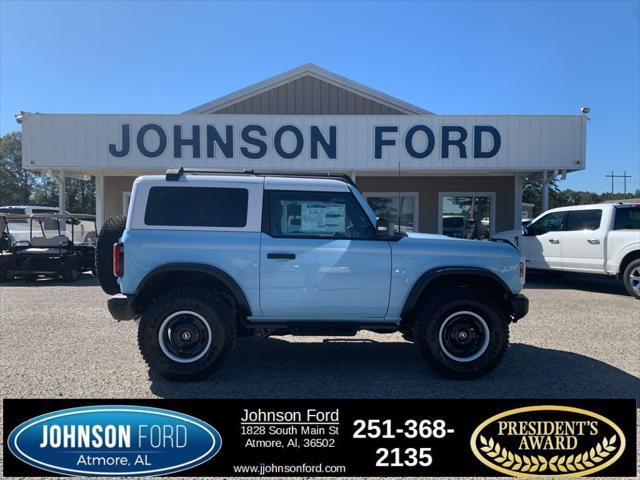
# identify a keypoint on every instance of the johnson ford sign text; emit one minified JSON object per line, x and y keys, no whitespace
{"x":290,"y":141}
{"x":114,"y":440}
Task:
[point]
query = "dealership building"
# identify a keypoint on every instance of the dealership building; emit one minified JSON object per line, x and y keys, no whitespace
{"x":452,"y":174}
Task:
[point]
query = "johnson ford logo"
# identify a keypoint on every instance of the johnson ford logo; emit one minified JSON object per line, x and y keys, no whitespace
{"x":114,"y":440}
{"x":548,"y":440}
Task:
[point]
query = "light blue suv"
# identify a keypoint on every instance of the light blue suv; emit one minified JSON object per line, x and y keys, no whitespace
{"x":204,"y":257}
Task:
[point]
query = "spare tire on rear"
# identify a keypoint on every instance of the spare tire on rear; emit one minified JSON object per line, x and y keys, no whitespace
{"x":109,"y":234}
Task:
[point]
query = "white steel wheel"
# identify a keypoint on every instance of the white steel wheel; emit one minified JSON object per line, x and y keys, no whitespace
{"x":464,"y":336}
{"x":185,"y":336}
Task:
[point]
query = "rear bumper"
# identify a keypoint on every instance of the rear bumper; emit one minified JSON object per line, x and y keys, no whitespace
{"x":121,"y":307}
{"x":519,"y":306}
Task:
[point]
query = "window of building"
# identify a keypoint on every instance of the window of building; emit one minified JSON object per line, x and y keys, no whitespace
{"x":317,"y":214}
{"x":400,"y":209}
{"x":197,"y":207}
{"x":627,"y":218}
{"x":467,"y":215}
{"x":583,"y":220}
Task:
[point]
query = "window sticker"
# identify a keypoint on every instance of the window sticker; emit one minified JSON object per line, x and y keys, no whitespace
{"x":323,"y":217}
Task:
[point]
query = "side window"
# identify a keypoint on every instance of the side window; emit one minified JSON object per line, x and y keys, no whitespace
{"x":197,"y":207}
{"x":627,"y":218}
{"x":551,"y":222}
{"x":583,"y":220}
{"x":317,"y":214}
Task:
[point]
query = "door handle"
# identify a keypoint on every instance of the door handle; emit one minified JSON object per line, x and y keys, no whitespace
{"x":594,"y":241}
{"x":282,"y":256}
{"x":555,"y":241}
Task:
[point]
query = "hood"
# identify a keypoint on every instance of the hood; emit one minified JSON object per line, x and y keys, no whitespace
{"x":428,"y":236}
{"x":464,"y":243}
{"x":438,"y":242}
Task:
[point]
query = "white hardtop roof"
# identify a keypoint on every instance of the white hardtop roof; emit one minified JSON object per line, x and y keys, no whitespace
{"x":309,"y":69}
{"x":310,"y":184}
{"x":196,"y":179}
{"x":272,"y":183}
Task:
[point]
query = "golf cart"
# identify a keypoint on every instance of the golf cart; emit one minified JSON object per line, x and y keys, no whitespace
{"x":50,"y":245}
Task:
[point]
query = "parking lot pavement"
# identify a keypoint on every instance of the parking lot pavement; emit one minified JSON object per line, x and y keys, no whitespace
{"x":580,"y":339}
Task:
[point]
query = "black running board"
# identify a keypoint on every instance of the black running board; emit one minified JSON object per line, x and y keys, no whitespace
{"x":320,"y":327}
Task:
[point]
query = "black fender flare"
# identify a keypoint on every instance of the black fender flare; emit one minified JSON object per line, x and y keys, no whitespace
{"x":439,"y":272}
{"x":210,"y":270}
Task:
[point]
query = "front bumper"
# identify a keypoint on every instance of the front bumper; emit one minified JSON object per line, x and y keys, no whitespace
{"x":519,"y":306}
{"x":121,"y":307}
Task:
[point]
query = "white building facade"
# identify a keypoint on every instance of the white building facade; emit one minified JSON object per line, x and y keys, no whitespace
{"x":460,"y":175}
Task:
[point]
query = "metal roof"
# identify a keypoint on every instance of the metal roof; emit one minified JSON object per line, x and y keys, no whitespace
{"x":309,"y":69}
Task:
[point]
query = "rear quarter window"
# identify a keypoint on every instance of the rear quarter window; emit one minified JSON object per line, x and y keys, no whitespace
{"x":583,"y":220}
{"x":627,"y":218}
{"x":197,"y":207}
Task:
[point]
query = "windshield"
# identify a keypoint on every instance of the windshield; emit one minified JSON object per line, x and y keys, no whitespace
{"x":19,"y":229}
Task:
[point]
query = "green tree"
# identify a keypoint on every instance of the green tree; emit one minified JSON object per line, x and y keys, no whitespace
{"x":81,"y":195}
{"x":532,"y":193}
{"x":15,"y":182}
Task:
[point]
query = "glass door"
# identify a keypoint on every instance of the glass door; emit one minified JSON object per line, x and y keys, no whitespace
{"x":400,"y":209}
{"x":467,"y":215}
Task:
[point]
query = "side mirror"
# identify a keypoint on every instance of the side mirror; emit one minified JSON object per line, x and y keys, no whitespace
{"x":382,"y":227}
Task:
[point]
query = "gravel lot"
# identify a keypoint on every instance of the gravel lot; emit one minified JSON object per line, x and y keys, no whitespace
{"x":581,"y":339}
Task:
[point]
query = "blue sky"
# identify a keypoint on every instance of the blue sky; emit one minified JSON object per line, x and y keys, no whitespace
{"x":448,"y":57}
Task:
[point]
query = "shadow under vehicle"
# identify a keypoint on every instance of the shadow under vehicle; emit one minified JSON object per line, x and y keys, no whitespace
{"x":50,"y":245}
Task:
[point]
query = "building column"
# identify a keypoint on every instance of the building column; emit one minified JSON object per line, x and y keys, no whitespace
{"x":99,"y":200}
{"x":58,"y":178}
{"x":517,"y":201}
{"x":545,"y":192}
{"x":62,"y":202}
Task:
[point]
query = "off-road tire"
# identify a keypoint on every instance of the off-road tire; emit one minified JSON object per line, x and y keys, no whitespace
{"x":626,"y":277}
{"x":71,"y":273}
{"x":110,"y":233}
{"x":430,"y":316}
{"x":214,"y":307}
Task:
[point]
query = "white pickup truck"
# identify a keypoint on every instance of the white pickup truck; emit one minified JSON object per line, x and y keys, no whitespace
{"x":599,"y":239}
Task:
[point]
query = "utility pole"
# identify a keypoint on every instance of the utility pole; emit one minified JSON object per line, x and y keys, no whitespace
{"x":625,"y":182}
{"x":624,"y":176}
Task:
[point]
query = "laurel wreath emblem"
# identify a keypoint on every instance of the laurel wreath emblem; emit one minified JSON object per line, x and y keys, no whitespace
{"x":539,"y":463}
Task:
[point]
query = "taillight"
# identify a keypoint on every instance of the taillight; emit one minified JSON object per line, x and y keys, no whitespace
{"x":118,"y":259}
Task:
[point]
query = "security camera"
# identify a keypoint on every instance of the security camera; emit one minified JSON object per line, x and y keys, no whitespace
{"x":585,"y":110}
